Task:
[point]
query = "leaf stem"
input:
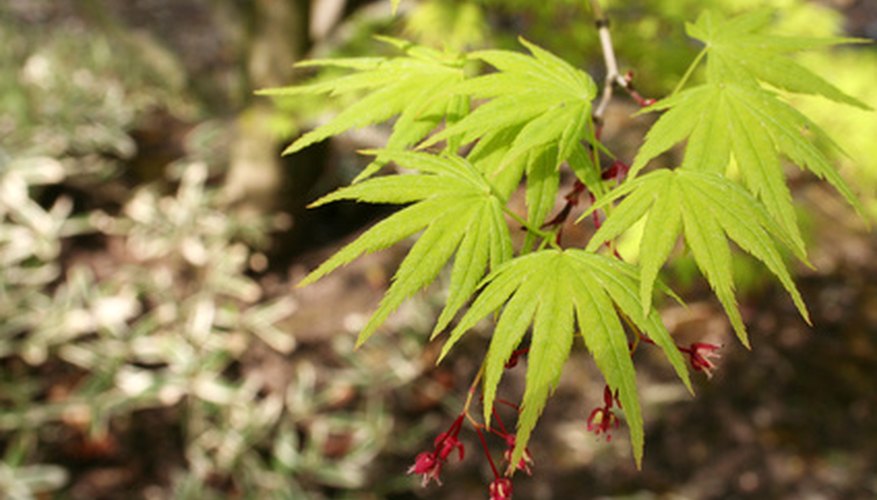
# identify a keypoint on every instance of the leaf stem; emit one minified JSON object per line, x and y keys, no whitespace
{"x":689,"y":71}
{"x":473,"y":388}
{"x":545,"y":235}
{"x":636,"y":331}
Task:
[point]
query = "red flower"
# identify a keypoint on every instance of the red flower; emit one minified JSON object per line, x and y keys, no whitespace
{"x":526,"y":460}
{"x":428,"y":465}
{"x":501,"y":489}
{"x":701,"y":354}
{"x":446,"y":442}
{"x":602,"y":419}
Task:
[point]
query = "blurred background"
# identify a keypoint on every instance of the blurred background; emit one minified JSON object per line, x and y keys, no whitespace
{"x":152,"y":343}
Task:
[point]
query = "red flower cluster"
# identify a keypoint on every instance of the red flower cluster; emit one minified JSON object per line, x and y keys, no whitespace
{"x":429,"y":463}
{"x":603,"y":419}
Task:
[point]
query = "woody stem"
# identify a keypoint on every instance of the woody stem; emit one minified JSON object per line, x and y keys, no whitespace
{"x":613,"y":76}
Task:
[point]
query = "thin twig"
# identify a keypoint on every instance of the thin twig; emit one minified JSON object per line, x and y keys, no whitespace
{"x":613,"y":76}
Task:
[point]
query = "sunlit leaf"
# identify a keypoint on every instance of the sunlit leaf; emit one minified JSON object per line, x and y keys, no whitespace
{"x":709,"y":210}
{"x":458,"y":214}
{"x":554,"y":291}
{"x":733,"y":115}
{"x":538,"y":102}
{"x":738,"y":53}
{"x":417,"y":87}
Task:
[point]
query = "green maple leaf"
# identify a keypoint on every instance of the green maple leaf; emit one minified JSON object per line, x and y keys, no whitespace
{"x":545,"y":100}
{"x":733,"y":115}
{"x":738,"y":52}
{"x":417,"y":87}
{"x":555,"y":291}
{"x":538,"y":113}
{"x":753,"y":125}
{"x":459,"y":214}
{"x":709,"y":209}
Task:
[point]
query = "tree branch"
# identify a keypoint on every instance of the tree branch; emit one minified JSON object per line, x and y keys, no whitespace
{"x":613,"y":75}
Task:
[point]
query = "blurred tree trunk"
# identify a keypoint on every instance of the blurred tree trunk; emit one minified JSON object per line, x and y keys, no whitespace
{"x":276,"y":37}
{"x":229,"y":49}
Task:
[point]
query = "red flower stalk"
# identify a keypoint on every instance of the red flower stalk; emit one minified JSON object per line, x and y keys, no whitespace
{"x":603,"y":419}
{"x":642,"y":101}
{"x":515,"y":357}
{"x":572,"y":200}
{"x":617,"y":170}
{"x":501,"y":489}
{"x":701,"y":356}
{"x":429,"y":463}
{"x":595,"y":215}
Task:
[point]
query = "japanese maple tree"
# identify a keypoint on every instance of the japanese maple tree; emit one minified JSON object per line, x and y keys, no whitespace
{"x":467,"y":142}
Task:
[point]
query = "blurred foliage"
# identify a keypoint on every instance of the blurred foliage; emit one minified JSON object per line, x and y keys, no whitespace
{"x":68,"y":92}
{"x":164,"y":320}
{"x":110,"y":312}
{"x":853,"y":128}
